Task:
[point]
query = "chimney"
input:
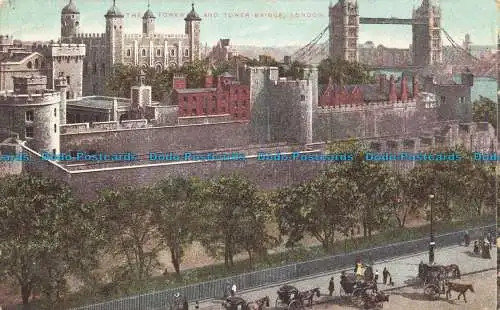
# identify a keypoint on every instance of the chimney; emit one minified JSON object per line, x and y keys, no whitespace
{"x":415,"y":87}
{"x":404,"y":89}
{"x":393,"y":97}
{"x":179,"y":81}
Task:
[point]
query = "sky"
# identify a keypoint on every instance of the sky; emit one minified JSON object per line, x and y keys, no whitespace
{"x":250,"y":22}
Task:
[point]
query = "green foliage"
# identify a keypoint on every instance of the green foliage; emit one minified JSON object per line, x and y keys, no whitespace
{"x":485,"y":110}
{"x":118,"y":84}
{"x":41,"y":235}
{"x":295,"y":70}
{"x":343,"y":72}
{"x":177,"y":202}
{"x":129,"y":217}
{"x":233,"y":218}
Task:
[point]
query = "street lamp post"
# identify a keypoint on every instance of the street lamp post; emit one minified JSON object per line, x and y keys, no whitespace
{"x":432,"y":244}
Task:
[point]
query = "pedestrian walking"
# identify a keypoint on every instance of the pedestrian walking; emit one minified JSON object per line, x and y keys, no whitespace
{"x":197,"y":305}
{"x":466,"y":239}
{"x":233,"y":290}
{"x":331,"y":286}
{"x":376,"y":276}
{"x":384,"y":275}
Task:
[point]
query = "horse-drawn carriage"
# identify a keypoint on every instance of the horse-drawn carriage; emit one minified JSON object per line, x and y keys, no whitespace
{"x":434,"y":278}
{"x":290,"y":297}
{"x":238,"y":303}
{"x":357,"y":289}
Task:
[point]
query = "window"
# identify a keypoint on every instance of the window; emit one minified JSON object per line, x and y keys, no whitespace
{"x":302,"y":97}
{"x":143,"y":52}
{"x":186,"y":52}
{"x":28,"y":132}
{"x":129,"y":53}
{"x":443,"y":99}
{"x":53,"y":151}
{"x":67,"y":95}
{"x":29,"y":116}
{"x":55,"y":128}
{"x":172,"y":52}
{"x":158,"y":68}
{"x":55,"y":112}
{"x":37,"y":65}
{"x":30,"y":65}
{"x":194,"y":98}
{"x":68,"y":79}
{"x":214,"y":98}
{"x":185,"y":98}
{"x":158,"y":52}
{"x":461,"y":100}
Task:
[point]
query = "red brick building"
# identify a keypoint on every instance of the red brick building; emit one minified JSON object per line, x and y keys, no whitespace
{"x":227,"y":96}
{"x":385,"y":90}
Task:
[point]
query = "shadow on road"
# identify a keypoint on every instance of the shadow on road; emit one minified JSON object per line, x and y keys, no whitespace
{"x":422,"y":297}
{"x":471,"y":254}
{"x":413,"y":282}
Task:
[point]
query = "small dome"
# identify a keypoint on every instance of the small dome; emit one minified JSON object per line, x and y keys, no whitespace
{"x":149,"y":14}
{"x":113,"y":11}
{"x":192,"y":15}
{"x":70,"y":8}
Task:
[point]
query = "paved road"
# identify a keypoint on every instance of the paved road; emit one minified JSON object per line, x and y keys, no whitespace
{"x":402,"y":269}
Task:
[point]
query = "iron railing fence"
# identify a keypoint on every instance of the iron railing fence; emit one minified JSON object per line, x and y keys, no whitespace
{"x":216,"y":288}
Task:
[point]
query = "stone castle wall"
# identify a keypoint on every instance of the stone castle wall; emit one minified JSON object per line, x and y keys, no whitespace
{"x":158,"y":139}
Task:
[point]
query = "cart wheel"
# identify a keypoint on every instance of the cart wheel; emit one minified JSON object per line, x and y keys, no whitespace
{"x":357,"y":297}
{"x":432,"y":291}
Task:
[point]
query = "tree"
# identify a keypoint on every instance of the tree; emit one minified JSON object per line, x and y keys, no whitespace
{"x":45,"y":235}
{"x":195,"y":73}
{"x":233,"y":214}
{"x":343,"y":72}
{"x":177,"y":202}
{"x":320,"y":208}
{"x":485,"y":110}
{"x":122,"y":78}
{"x":295,"y":70}
{"x":129,"y":219}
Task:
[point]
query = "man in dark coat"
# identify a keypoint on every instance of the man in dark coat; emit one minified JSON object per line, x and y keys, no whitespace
{"x":331,"y":286}
{"x":385,"y":273}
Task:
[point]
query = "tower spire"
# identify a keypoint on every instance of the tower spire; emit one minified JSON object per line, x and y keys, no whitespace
{"x":149,"y":5}
{"x":114,"y":2}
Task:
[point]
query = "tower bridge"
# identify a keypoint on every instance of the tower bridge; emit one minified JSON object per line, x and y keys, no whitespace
{"x":427,"y":38}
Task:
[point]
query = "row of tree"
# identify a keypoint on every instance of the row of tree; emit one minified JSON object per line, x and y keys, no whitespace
{"x":123,"y":76}
{"x":46,"y":234}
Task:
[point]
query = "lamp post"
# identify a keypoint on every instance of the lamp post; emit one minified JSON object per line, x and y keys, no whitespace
{"x":432,"y":244}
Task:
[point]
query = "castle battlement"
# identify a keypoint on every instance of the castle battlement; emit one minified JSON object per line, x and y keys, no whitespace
{"x":156,"y":36}
{"x":367,"y":106}
{"x":103,"y":126}
{"x":302,"y":84}
{"x":91,"y":35}
{"x":47,"y":97}
{"x":67,"y":49}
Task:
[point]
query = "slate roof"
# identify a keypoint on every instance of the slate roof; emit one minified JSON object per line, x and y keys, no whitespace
{"x":70,"y":8}
{"x":148,"y":14}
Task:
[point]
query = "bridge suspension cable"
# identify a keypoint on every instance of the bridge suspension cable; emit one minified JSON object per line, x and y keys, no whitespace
{"x":457,"y":46}
{"x":308,"y":47}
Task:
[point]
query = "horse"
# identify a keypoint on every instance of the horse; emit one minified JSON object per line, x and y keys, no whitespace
{"x":308,"y":295}
{"x":373,"y":300}
{"x":452,"y":270}
{"x":459,"y":288}
{"x":258,"y":304}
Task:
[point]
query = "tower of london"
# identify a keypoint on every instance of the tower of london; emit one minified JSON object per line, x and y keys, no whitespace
{"x":114,"y":46}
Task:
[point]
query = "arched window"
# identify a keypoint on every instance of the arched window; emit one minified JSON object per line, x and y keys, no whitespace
{"x":30,"y":65}
{"x":143,"y":52}
{"x":158,"y":68}
{"x":186,"y":52}
{"x":158,"y":52}
{"x":172,"y":52}
{"x":129,"y":52}
{"x":37,"y":64}
{"x":77,"y":24}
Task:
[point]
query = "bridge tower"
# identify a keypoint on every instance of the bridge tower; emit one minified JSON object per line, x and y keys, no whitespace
{"x":427,"y":44}
{"x":344,"y":30}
